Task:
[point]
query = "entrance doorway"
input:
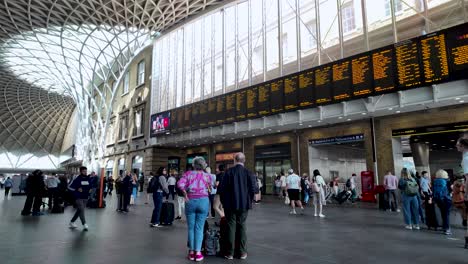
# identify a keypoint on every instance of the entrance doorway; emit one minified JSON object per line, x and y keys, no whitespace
{"x":268,"y":170}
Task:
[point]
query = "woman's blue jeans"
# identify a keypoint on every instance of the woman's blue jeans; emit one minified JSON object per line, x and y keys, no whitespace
{"x":410,"y":209}
{"x":196,"y":211}
{"x":158,"y":200}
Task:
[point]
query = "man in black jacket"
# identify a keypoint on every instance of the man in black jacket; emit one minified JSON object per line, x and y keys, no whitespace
{"x":237,"y":190}
{"x":127,"y":189}
{"x":35,"y":188}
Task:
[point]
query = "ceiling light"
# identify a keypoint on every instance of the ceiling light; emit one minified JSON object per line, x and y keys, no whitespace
{"x":245,"y":134}
{"x":398,"y":111}
{"x":390,"y":109}
{"x":452,"y":140}
{"x":458,"y":98}
{"x":363,"y":113}
{"x":443,"y":146}
{"x":340,"y":117}
{"x":461,"y":101}
{"x":434,"y":144}
{"x":278,"y":131}
{"x":300,"y":124}
{"x":310,"y":125}
{"x":232,"y":138}
{"x":269,"y":129}
{"x":349,"y":119}
{"x":320,"y":121}
{"x":427,"y":142}
{"x":253,"y":135}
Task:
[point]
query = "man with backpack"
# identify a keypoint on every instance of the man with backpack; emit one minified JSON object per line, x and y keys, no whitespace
{"x":409,"y":191}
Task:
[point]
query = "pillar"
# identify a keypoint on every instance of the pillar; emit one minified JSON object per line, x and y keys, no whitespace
{"x":420,"y":153}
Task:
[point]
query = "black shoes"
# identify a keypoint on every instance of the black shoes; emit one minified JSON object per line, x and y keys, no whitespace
{"x":464,"y":223}
{"x":178,"y":218}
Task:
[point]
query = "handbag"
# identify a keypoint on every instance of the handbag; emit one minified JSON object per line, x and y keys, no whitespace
{"x":315,"y":187}
{"x":287,"y":201}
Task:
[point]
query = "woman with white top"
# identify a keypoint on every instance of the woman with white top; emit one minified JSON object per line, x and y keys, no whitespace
{"x":317,"y":186}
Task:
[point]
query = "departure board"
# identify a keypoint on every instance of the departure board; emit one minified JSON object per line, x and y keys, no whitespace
{"x":252,"y":97}
{"x":434,"y":58}
{"x":202,"y":116}
{"x":407,"y":64}
{"x":212,"y":113}
{"x":341,"y":80}
{"x":180,"y":119}
{"x":383,"y":66}
{"x":195,"y":116}
{"x":306,"y":89}
{"x":291,"y":85}
{"x":362,"y":75}
{"x":221,"y":109}
{"x":263,"y":103}
{"x":241,"y":106}
{"x":187,"y":117}
{"x":277,"y":96}
{"x":457,"y":41}
{"x":323,"y":84}
{"x":230,"y":107}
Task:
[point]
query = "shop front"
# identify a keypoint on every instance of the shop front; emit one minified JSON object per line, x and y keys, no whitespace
{"x":270,"y":162}
{"x":121,"y":166}
{"x":137,"y":164}
{"x":190,"y":158}
{"x":173,"y":164}
{"x":226,"y":159}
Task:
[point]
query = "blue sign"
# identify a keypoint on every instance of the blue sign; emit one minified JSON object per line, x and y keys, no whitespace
{"x":336,"y":140}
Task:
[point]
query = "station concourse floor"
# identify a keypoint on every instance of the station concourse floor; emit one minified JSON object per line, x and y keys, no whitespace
{"x":346,"y":235}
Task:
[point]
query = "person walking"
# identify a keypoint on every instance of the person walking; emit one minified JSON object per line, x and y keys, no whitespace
{"x":81,"y":188}
{"x":110,"y":185}
{"x":158,"y":186}
{"x":134,"y":188}
{"x":462,"y":146}
{"x":237,"y":191}
{"x":196,"y":185}
{"x":171,"y":182}
{"x":391,"y":185}
{"x":318,"y":185}
{"x":7,"y":185}
{"x":35,"y":188}
{"x":277,"y":185}
{"x":409,"y":190}
{"x":441,"y":195}
{"x":305,"y":187}
{"x":52,"y":183}
{"x":293,"y":185}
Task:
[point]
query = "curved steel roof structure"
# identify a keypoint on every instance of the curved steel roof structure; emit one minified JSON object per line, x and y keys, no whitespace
{"x":55,"y":55}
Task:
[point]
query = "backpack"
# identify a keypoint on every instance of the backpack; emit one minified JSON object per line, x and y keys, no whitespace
{"x":440,"y":189}
{"x":212,"y":242}
{"x":153,"y":185}
{"x":348,"y":183}
{"x":411,"y":188}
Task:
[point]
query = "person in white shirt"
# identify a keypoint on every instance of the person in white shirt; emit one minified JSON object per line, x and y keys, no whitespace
{"x":171,"y":183}
{"x":353,"y":188}
{"x":293,"y":185}
{"x":283,"y":184}
{"x":213,"y":192}
{"x":462,"y":146}
{"x":317,"y":186}
{"x":52,"y":183}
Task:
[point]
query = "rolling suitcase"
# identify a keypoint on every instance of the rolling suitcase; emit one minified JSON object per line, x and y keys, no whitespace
{"x":167,"y":213}
{"x":343,"y":196}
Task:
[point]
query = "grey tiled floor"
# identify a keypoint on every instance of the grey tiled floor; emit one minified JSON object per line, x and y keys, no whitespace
{"x":346,"y":235}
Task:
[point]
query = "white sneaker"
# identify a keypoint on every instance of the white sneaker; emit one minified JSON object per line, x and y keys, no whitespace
{"x":321,"y":215}
{"x":398,"y":210}
{"x":293,"y":212}
{"x":416,"y":227}
{"x":85,"y":227}
{"x":409,"y":227}
{"x":302,"y":211}
{"x":73,"y":225}
{"x":315,"y":215}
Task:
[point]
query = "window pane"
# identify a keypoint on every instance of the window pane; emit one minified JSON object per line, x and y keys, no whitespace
{"x":452,"y":11}
{"x":180,"y":66}
{"x":272,"y":59}
{"x":230,"y":48}
{"x":353,"y":35}
{"x":198,"y":60}
{"x":165,"y":75}
{"x":379,"y":23}
{"x":243,"y":42}
{"x":257,"y":42}
{"x":218,"y":52}
{"x":409,"y":23}
{"x":188,"y":62}
{"x":308,"y":24}
{"x":126,"y":83}
{"x":141,"y":73}
{"x":289,"y":41}
{"x":329,"y":35}
{"x":208,"y":36}
{"x":171,"y":71}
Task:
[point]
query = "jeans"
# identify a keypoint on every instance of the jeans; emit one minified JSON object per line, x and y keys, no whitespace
{"x":171,"y":192}
{"x":421,"y":211}
{"x":157,"y":200}
{"x":390,"y":194}
{"x":80,"y":209}
{"x":196,"y":211}
{"x":410,"y":209}
{"x":306,"y":196}
{"x":236,"y":229}
{"x":180,"y":205}
{"x":213,"y":212}
{"x":444,"y":205}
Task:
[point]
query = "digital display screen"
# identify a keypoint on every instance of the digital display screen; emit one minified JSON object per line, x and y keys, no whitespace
{"x":202,"y":116}
{"x":457,"y":42}
{"x":195,"y":116}
{"x":263,"y":106}
{"x":306,"y":89}
{"x":241,"y":106}
{"x":276,"y":96}
{"x":341,"y":80}
{"x":323,"y":84}
{"x":160,"y":123}
{"x":407,"y":64}
{"x":362,"y":75}
{"x":291,"y":85}
{"x":230,"y":107}
{"x":252,"y":98}
{"x":434,"y":58}
{"x":383,"y":65}
{"x":221,"y":110}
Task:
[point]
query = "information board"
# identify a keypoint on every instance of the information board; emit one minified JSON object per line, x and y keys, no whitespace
{"x":263,"y":103}
{"x":195,"y":116}
{"x":187,"y":117}
{"x":306,"y":89}
{"x":160,"y":123}
{"x":230,"y":107}
{"x":277,"y":96}
{"x":221,"y":109}
{"x":409,"y":71}
{"x":434,"y":58}
{"x":291,"y":85}
{"x":457,"y":42}
{"x":211,"y":113}
{"x":383,"y":65}
{"x":241,"y":106}
{"x":362,"y":75}
{"x":323,"y":84}
{"x":252,"y":98}
{"x":202,"y":116}
{"x":341,"y":80}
